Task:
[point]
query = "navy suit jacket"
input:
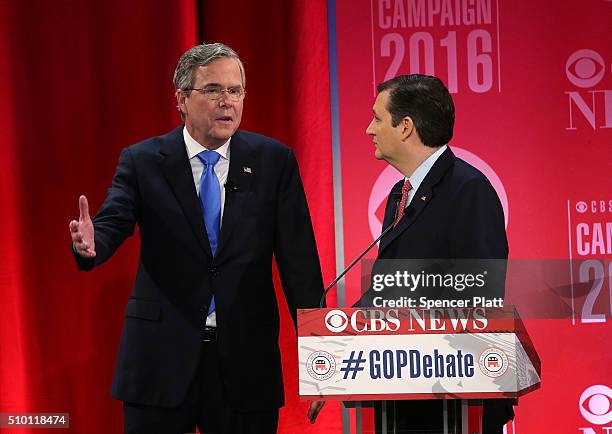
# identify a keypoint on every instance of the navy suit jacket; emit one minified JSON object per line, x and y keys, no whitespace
{"x":454,"y":214}
{"x":265,"y":215}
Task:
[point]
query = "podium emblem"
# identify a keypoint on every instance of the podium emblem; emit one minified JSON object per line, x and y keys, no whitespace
{"x":493,"y":362}
{"x":321,"y":365}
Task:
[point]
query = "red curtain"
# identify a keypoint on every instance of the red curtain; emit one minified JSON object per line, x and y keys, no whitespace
{"x":80,"y":81}
{"x":284,"y":47}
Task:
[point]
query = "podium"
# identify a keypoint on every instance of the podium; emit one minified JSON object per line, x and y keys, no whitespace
{"x":375,"y":356}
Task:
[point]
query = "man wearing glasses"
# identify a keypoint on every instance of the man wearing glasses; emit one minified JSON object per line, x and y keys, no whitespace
{"x":199,"y":345}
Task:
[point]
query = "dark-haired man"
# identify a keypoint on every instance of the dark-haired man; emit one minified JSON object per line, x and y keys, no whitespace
{"x":442,"y":209}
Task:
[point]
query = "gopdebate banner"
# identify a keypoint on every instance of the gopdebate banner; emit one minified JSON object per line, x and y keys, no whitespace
{"x":381,"y":354}
{"x":532,"y":85}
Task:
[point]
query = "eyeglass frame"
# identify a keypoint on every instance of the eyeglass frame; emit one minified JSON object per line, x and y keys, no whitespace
{"x":201,"y":91}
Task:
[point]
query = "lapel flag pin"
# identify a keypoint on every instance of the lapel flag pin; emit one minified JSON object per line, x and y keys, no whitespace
{"x":247,"y":169}
{"x":423,"y":198}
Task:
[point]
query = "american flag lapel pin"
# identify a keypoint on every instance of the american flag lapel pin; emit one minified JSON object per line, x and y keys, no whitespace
{"x":423,"y":198}
{"x":246,"y":169}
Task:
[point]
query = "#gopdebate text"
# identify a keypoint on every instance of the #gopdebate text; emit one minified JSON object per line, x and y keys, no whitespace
{"x":409,"y":364}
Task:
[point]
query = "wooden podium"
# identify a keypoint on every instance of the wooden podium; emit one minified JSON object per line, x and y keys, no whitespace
{"x":458,"y":355}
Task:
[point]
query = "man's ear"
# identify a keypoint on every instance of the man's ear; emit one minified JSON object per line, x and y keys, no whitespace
{"x":407,"y":127}
{"x":180,"y":102}
{"x":180,"y":99}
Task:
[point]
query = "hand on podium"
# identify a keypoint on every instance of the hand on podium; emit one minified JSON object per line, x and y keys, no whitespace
{"x":82,"y":231}
{"x":313,"y":411}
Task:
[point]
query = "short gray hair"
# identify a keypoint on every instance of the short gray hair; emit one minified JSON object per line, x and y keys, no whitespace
{"x":202,"y":55}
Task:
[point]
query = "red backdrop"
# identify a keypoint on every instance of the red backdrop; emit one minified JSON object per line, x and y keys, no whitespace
{"x":284,"y":47}
{"x":80,"y":81}
{"x":532,"y":84}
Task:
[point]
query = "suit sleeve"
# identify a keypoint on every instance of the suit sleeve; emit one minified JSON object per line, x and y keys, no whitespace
{"x":118,"y":215}
{"x":295,"y":248}
{"x":478,"y":232}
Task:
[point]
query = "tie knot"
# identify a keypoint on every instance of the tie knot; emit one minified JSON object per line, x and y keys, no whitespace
{"x":209,"y":157}
{"x":407,"y":186}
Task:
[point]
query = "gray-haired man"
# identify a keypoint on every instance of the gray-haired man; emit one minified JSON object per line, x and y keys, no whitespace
{"x":199,"y":345}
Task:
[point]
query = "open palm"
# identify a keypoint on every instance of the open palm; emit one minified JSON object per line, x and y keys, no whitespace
{"x":82,"y":231}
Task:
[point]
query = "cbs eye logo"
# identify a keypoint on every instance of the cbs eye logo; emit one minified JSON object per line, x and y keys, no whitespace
{"x":336,"y":321}
{"x":581,"y":207}
{"x":595,"y":404}
{"x":585,"y":68}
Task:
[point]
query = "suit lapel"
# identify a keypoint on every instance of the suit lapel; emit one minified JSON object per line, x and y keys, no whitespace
{"x":420,"y":199}
{"x":391,"y":209}
{"x":177,"y":170}
{"x":239,"y":179}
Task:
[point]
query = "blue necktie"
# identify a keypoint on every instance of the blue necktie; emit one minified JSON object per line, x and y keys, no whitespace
{"x":210,"y":200}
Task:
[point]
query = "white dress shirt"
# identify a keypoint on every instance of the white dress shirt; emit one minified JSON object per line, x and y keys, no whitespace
{"x":197,"y":167}
{"x":221,"y":170}
{"x":421,"y":172}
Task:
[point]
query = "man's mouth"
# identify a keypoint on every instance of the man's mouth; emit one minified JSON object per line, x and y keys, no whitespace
{"x":224,"y":119}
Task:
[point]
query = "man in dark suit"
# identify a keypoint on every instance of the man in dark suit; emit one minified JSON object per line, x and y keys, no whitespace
{"x":443,"y":208}
{"x":199,"y":345}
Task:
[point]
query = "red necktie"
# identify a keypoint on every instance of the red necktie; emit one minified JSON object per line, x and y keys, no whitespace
{"x":402,"y":205}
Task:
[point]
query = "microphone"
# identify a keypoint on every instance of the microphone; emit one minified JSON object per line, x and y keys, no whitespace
{"x":352,"y":264}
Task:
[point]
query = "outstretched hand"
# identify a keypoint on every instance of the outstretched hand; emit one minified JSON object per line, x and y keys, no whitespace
{"x":82,"y":231}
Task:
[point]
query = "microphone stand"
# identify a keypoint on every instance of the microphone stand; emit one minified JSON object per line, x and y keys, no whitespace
{"x":341,"y":275}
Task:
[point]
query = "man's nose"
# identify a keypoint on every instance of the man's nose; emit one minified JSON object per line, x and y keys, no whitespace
{"x":368,"y":130}
{"x":225,"y":100}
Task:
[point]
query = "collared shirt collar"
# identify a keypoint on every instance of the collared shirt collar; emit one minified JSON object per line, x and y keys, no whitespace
{"x":421,"y":172}
{"x":194,"y":148}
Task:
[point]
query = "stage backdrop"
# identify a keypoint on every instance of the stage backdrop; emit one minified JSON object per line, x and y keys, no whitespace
{"x":80,"y":81}
{"x":284,"y":48}
{"x":532,"y":84}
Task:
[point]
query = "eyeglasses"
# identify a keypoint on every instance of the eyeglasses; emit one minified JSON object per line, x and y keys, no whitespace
{"x":214,"y":93}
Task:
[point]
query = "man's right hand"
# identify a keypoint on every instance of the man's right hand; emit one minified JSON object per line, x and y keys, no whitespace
{"x":82,"y":232}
